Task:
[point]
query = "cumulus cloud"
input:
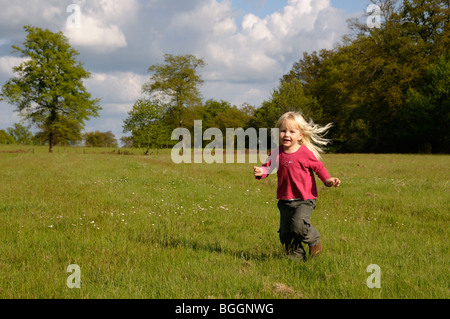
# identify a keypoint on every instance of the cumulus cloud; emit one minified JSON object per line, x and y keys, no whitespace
{"x":7,"y":63}
{"x":93,"y":33}
{"x":260,"y":49}
{"x":116,"y":87}
{"x":118,"y":92}
{"x":15,"y":14}
{"x":97,"y":24}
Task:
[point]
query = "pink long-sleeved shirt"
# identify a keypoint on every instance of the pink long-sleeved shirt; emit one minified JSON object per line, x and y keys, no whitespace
{"x":295,"y":173}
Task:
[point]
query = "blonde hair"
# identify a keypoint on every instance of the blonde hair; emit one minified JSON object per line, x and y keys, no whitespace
{"x":312,"y":133}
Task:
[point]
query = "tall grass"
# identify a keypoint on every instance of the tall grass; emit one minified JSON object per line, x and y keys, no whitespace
{"x":144,"y":227}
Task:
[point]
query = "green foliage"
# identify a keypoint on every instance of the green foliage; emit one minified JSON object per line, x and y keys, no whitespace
{"x":222,"y":115}
{"x":127,"y":141}
{"x":266,"y":116}
{"x":48,"y":88}
{"x":176,"y":84}
{"x":65,"y":132}
{"x":20,"y":134}
{"x":6,"y":138}
{"x":100,"y":139}
{"x":145,"y":122}
{"x":290,"y":96}
{"x":427,"y":111}
{"x":213,"y":110}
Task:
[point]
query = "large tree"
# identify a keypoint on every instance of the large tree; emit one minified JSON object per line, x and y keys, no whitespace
{"x":48,"y":87}
{"x":176,"y":84}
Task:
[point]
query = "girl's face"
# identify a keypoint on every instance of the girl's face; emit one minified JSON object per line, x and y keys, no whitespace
{"x":290,"y":137}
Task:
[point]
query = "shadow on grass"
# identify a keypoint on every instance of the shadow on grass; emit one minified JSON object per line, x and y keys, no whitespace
{"x":213,"y":247}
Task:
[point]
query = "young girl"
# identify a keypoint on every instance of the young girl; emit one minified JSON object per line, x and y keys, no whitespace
{"x":296,"y":160}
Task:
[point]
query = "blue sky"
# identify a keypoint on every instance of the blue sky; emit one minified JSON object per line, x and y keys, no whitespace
{"x":262,"y":8}
{"x":350,"y":6}
{"x":247,"y":44}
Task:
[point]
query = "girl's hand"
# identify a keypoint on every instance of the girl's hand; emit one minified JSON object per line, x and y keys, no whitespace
{"x":257,"y":171}
{"x":333,"y":181}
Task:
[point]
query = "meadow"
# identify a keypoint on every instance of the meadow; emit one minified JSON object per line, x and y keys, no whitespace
{"x":143,"y":227}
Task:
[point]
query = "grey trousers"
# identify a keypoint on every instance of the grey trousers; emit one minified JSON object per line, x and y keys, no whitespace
{"x":295,"y":226}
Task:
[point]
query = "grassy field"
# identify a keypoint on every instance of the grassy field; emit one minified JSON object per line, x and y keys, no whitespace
{"x":143,"y":227}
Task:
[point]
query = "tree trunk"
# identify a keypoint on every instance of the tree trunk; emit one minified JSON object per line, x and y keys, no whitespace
{"x":50,"y":142}
{"x":53,"y":119}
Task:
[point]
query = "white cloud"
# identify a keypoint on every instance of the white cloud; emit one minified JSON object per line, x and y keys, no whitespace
{"x":94,"y":34}
{"x":244,"y":61}
{"x":97,"y":24}
{"x":262,"y":48}
{"x":116,"y":87}
{"x":8,"y":62}
{"x":24,"y":12}
{"x":118,"y":92}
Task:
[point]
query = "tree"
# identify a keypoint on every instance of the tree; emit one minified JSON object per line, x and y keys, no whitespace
{"x":426,"y":23}
{"x":5,"y":138}
{"x":213,"y":109}
{"x":232,"y":117}
{"x":426,"y":113}
{"x":289,"y":96}
{"x":176,"y":84}
{"x":145,"y":122}
{"x":20,"y":133}
{"x":127,"y":141}
{"x":248,"y":109}
{"x":48,"y":88}
{"x":100,"y":139}
{"x":266,"y":116}
{"x":65,"y":133}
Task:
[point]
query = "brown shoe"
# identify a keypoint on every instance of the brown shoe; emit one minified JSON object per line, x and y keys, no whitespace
{"x":315,"y":250}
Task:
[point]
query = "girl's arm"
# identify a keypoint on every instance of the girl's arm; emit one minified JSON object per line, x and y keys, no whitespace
{"x":319,"y":168}
{"x":268,"y":167}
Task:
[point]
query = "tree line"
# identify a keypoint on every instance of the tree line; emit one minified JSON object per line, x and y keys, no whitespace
{"x":385,"y":89}
{"x":20,"y":134}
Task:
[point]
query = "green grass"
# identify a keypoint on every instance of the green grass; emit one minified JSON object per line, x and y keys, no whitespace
{"x":143,"y":227}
